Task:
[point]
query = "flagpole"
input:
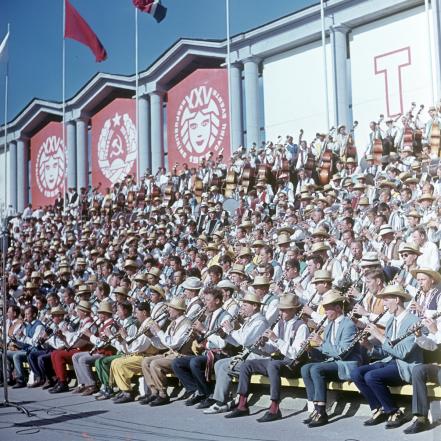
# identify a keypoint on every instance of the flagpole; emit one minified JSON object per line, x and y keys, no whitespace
{"x":63,"y":81}
{"x":138,"y":168}
{"x":325,"y":67}
{"x":227,"y":12}
{"x":6,"y":136}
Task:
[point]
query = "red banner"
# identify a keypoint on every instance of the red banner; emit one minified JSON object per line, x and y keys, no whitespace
{"x":197,"y":118}
{"x":48,"y":164}
{"x":114,"y":143}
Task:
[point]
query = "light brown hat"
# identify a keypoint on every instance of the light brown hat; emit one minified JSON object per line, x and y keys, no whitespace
{"x":414,"y":213}
{"x":154,"y":271}
{"x":36,"y":275}
{"x":238,"y":268}
{"x":426,"y":197}
{"x":141,"y":277}
{"x":226,"y":284}
{"x":332,"y":296}
{"x":122,"y":290}
{"x":245,"y":251}
{"x":177,"y":303}
{"x":251,"y":297}
{"x":289,"y":302}
{"x":322,"y":276}
{"x":105,"y":307}
{"x":428,"y":272}
{"x":57,"y":310}
{"x":320,"y":232}
{"x":261,"y":281}
{"x":283,"y":239}
{"x":409,"y":247}
{"x":84,"y":305}
{"x":394,"y":290}
{"x":286,"y":230}
{"x":319,"y":246}
{"x":258,"y":244}
{"x":158,"y":290}
{"x":83,"y":289}
{"x":130,"y":264}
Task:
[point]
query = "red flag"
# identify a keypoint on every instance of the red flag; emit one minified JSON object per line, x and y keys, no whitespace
{"x":152,"y":7}
{"x":77,"y":29}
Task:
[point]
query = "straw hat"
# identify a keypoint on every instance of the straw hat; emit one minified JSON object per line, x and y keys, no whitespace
{"x":251,"y":297}
{"x":286,"y":230}
{"x":245,"y":251}
{"x":84,"y":305}
{"x":158,"y":290}
{"x":370,"y":259}
{"x":320,"y":232}
{"x":319,"y":246}
{"x":414,"y":213}
{"x":289,"y":302}
{"x":428,"y":272}
{"x":36,"y":275}
{"x":410,"y":247}
{"x":322,"y":276}
{"x":261,"y":281}
{"x":177,"y":303}
{"x":283,"y":239}
{"x":122,"y":290}
{"x":154,"y":271}
{"x":226,"y":284}
{"x":394,"y":290}
{"x":332,"y":296}
{"x":105,"y":307}
{"x":57,"y":310}
{"x":237,"y":268}
{"x":141,"y":277}
{"x":386,"y":229}
{"x":192,"y":283}
{"x":83,"y":289}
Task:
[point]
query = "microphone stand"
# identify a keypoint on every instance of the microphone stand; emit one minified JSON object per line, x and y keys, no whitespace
{"x":6,"y":402}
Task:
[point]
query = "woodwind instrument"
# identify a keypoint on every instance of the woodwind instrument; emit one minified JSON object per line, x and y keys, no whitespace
{"x":305,"y":346}
{"x":413,"y":330}
{"x":143,"y":330}
{"x":359,"y":336}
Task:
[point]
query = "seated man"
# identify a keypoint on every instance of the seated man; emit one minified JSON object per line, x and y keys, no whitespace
{"x":176,"y":339}
{"x":423,"y":373}
{"x":285,"y":340}
{"x":339,"y":334}
{"x":396,"y":361}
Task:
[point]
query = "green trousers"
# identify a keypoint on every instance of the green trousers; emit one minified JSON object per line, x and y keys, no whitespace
{"x":102,"y":366}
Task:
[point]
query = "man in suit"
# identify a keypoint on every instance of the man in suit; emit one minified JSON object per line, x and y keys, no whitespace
{"x":396,"y":361}
{"x":336,"y":340}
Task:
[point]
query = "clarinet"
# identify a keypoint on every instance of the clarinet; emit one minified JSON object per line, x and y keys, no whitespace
{"x":144,"y":330}
{"x":416,"y":298}
{"x":216,"y":329}
{"x":359,"y":336}
{"x":412,"y":330}
{"x":306,"y":343}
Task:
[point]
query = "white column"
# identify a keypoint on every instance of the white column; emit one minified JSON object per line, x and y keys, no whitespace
{"x":436,"y":14}
{"x":251,"y":71}
{"x":145,"y":153}
{"x":71,"y":154}
{"x":22,"y":174}
{"x":12,"y":170}
{"x":339,"y":58}
{"x":157,"y":128}
{"x":236,"y":106}
{"x":82,"y":153}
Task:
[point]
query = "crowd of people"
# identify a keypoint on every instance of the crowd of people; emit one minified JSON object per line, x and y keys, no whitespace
{"x":227,"y":270}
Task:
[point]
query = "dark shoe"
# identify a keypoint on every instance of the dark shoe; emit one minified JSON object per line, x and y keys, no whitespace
{"x":419,"y":425}
{"x":19,"y":385}
{"x":310,"y":417}
{"x":126,"y":397}
{"x":195,"y":400}
{"x":377,"y":418}
{"x":104,"y":396}
{"x":208,"y":402}
{"x":90,"y":390}
{"x":270,"y":417}
{"x":236,"y":413}
{"x":79,"y":389}
{"x":118,"y":395}
{"x":160,"y":401}
{"x":395,"y":420}
{"x":185,"y":396}
{"x":318,"y":421}
{"x":147,"y":400}
{"x":59,"y":388}
{"x":49,"y":384}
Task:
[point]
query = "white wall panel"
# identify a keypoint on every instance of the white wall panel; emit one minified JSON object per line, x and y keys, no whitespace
{"x":390,"y":68}
{"x":294,"y":92}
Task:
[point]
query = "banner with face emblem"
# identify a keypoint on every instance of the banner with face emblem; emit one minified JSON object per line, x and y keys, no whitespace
{"x":114,"y":143}
{"x":48,"y":164}
{"x":197,"y":117}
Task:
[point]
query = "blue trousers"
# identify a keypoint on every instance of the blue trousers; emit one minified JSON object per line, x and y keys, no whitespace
{"x":18,"y":358}
{"x":373,"y":380}
{"x":315,"y":376}
{"x":36,"y":361}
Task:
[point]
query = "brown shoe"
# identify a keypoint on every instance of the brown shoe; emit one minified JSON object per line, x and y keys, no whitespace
{"x":90,"y":390}
{"x":37,"y":384}
{"x":79,"y":389}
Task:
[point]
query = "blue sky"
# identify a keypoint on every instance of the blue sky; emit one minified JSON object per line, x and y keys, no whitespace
{"x":35,"y":50}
